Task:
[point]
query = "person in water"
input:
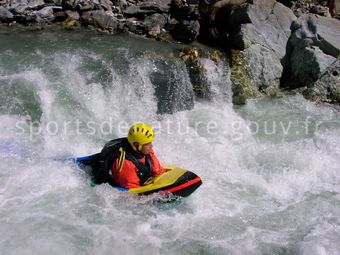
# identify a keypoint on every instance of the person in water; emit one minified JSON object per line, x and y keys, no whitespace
{"x":129,"y":162}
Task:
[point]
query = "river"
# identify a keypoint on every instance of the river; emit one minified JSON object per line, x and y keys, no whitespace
{"x":270,"y":169}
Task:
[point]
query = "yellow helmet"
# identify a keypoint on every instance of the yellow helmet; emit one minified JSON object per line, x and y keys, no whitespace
{"x":140,"y":133}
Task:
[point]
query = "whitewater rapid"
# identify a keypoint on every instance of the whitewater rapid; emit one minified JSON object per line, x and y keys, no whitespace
{"x":270,"y":169}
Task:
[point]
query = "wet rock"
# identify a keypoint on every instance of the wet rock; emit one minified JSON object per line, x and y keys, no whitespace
{"x":164,"y":5}
{"x":334,"y":7}
{"x":216,"y":56}
{"x":262,"y":31}
{"x":70,"y":4}
{"x":173,"y":92}
{"x":319,"y":7}
{"x":55,"y":2}
{"x":154,"y":24}
{"x":70,"y":23}
{"x":121,"y":4}
{"x":72,"y":15}
{"x":19,"y":8}
{"x":135,"y":25}
{"x":103,"y":20}
{"x":303,"y":7}
{"x":308,"y":64}
{"x":5,"y":15}
{"x":221,"y":6}
{"x":186,"y":31}
{"x":4,"y":3}
{"x":35,"y":4}
{"x":197,"y":72}
{"x":144,"y":9}
{"x":68,"y":19}
{"x":313,"y":46}
{"x":46,"y":14}
{"x":288,"y":3}
{"x":242,"y":85}
{"x":26,"y":18}
{"x":189,"y":54}
{"x":320,"y":10}
{"x":87,"y":5}
{"x":61,"y":16}
{"x":327,"y":87}
{"x":184,"y":10}
{"x":106,"y":4}
{"x":170,"y":25}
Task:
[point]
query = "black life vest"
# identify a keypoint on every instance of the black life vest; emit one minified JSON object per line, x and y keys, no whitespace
{"x":112,"y":151}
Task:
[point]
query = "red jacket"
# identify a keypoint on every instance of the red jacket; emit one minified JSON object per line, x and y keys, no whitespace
{"x":127,"y":177}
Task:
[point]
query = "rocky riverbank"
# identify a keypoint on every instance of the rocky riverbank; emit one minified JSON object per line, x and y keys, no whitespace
{"x":273,"y":45}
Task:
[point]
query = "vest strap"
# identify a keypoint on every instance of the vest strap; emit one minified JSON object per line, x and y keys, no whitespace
{"x":121,"y":159}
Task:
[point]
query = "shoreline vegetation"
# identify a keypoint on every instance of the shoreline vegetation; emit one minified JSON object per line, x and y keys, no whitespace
{"x":273,"y":47}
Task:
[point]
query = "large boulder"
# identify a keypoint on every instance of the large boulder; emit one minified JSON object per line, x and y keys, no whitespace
{"x":327,"y":87}
{"x":307,"y":65}
{"x":5,"y":15}
{"x":312,"y":58}
{"x":261,"y":31}
{"x":264,"y":40}
{"x":314,"y":45}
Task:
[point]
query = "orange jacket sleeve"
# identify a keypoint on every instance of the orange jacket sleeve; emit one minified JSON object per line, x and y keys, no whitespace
{"x":127,"y":178}
{"x":157,"y":168}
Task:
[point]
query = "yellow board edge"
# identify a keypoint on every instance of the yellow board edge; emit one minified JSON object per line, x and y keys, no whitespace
{"x":168,"y":178}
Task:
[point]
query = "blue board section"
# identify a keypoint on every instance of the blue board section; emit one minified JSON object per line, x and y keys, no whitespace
{"x":79,"y":160}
